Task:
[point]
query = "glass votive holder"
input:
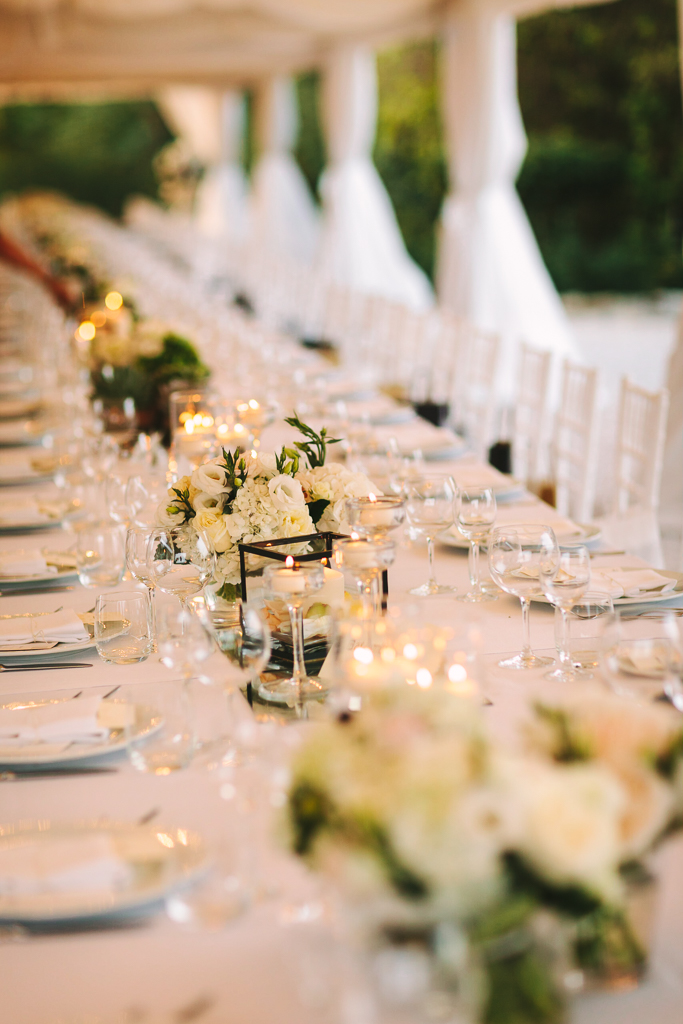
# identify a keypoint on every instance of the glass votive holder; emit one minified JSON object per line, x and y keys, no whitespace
{"x":192,"y":422}
{"x":586,"y":624}
{"x":101,"y":554}
{"x":123,"y":633}
{"x":364,"y":558}
{"x":292,"y":584}
{"x":375,"y":516}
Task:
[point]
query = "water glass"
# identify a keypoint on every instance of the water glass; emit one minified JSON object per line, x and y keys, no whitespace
{"x":517,"y":555}
{"x":241,"y":635}
{"x":430,"y":510}
{"x":642,"y":657}
{"x":161,"y":730}
{"x":587,"y":620}
{"x":122,"y":627}
{"x":475,"y":514}
{"x":563,"y":582}
{"x":101,"y":554}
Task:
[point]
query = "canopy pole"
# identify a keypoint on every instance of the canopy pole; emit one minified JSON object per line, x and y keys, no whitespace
{"x":283,"y":214}
{"x":362,"y":246}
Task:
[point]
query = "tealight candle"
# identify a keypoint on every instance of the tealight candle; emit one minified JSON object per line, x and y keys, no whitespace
{"x":375,"y":515}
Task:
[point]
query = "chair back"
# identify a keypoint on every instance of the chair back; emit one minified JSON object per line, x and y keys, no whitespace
{"x":576,"y":441}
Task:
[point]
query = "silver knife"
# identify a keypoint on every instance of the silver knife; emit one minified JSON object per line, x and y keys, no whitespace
{"x":31,"y":591}
{"x":44,"y":668}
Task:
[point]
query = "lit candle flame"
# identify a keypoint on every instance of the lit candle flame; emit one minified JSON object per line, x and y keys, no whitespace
{"x":372,"y":497}
{"x":289,"y":562}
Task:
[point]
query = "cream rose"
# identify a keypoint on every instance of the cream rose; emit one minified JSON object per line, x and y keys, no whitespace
{"x":212,"y":523}
{"x":203,"y":500}
{"x":286,"y":493}
{"x":210,"y":478}
{"x":166,"y":517}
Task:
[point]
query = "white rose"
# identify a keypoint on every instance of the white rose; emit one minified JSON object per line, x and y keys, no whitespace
{"x":165,"y":517}
{"x":265,"y":464}
{"x":204,"y":500}
{"x":210,"y":477}
{"x":213,"y":524}
{"x":286,"y":493}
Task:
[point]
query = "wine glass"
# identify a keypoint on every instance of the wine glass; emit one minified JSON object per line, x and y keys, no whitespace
{"x":182,"y":640}
{"x":563,"y":583}
{"x":516,"y":554}
{"x":143,"y":495}
{"x":115,"y":495}
{"x":101,"y":554}
{"x":642,"y":658}
{"x":137,"y":542}
{"x":293,"y":585}
{"x":180,"y":560}
{"x":429,"y":508}
{"x":475,"y":513}
{"x":240,"y":633}
{"x":365,"y":559}
{"x":375,"y":516}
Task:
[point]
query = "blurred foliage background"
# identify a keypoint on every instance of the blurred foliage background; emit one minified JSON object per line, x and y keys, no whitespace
{"x":602,"y":182}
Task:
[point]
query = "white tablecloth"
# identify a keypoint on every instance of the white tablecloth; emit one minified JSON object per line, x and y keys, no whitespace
{"x":247,"y":972}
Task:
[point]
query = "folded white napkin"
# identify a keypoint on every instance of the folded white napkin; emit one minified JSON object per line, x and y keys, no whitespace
{"x":69,"y":721}
{"x":22,"y":563}
{"x":24,"y":514}
{"x":63,"y":627}
{"x":80,"y":864}
{"x":630,"y":582}
{"x":508,"y":515}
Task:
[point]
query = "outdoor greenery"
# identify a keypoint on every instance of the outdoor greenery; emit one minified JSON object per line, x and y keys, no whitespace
{"x":602,"y":182}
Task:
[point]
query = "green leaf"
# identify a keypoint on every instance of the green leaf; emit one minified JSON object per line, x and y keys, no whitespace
{"x":317,"y":508}
{"x":315,"y":448}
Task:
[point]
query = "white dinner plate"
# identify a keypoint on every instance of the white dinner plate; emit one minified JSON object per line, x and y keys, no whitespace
{"x":147,"y":721}
{"x":47,"y":654}
{"x":14,"y":472}
{"x":588,"y":534}
{"x":16,"y":522}
{"x":651,"y":598}
{"x":17,"y":582}
{"x":161,"y":860}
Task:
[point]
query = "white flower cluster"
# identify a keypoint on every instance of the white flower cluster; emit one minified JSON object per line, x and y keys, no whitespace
{"x":267,"y":505}
{"x":417,"y":769}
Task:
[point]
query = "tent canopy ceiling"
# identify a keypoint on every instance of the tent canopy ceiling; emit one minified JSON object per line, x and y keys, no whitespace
{"x":56,"y":47}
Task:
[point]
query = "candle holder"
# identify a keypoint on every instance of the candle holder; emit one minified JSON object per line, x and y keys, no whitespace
{"x":293,"y":584}
{"x":256,"y":415}
{"x":375,"y":516}
{"x":192,"y":415}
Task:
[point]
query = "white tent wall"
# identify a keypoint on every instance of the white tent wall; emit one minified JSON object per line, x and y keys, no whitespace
{"x":283,"y":215}
{"x":211,"y":124}
{"x":361,"y":244}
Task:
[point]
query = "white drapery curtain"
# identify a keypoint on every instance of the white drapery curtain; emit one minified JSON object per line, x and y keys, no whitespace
{"x":211,"y":124}
{"x":284,"y":217}
{"x":490,"y":269}
{"x":361,"y":244}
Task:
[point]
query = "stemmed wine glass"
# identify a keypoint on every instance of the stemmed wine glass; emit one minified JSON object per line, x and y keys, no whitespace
{"x":517,"y":555}
{"x":180,"y":560}
{"x":475,"y":514}
{"x":563,"y":584}
{"x":241,"y":635}
{"x":182,"y":641}
{"x":429,"y":508}
{"x":137,"y":543}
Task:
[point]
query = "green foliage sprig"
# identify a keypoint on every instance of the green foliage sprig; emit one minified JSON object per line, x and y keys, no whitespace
{"x":315,"y":448}
{"x":181,"y":503}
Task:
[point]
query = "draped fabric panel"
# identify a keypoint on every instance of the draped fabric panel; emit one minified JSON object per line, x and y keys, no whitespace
{"x":210,"y":122}
{"x":361,"y":245}
{"x":490,"y":269}
{"x":283,"y":214}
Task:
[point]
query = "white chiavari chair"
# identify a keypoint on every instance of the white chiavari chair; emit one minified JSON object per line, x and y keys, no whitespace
{"x":632,"y":524}
{"x":473,"y":384}
{"x":530,"y":413}
{"x":576,"y":442}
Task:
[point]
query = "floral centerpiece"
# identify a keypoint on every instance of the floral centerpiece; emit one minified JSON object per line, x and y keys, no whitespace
{"x":234,"y":500}
{"x":411,"y":811}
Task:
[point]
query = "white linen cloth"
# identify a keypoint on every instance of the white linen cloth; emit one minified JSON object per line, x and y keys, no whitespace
{"x":630,"y":582}
{"x":80,"y":864}
{"x":69,"y":721}
{"x":62,"y":627}
{"x":22,"y":563}
{"x":361,"y":245}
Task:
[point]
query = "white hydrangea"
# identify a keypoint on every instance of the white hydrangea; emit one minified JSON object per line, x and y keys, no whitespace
{"x":335,"y":483}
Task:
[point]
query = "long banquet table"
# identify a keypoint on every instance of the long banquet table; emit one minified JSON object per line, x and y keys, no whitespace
{"x":250,"y":969}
